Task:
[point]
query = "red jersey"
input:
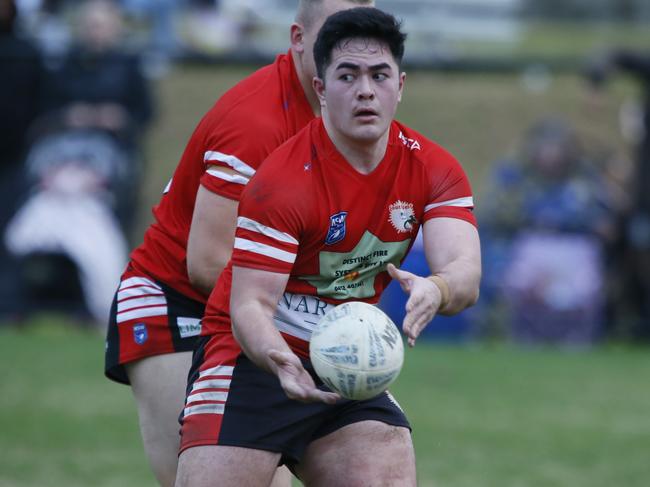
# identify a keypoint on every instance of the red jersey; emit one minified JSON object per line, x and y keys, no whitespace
{"x":244,"y":126}
{"x":308,"y":213}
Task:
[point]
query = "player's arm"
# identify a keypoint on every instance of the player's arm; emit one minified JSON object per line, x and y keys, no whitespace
{"x":254,"y":297}
{"x":453,"y":254}
{"x":211,"y":238}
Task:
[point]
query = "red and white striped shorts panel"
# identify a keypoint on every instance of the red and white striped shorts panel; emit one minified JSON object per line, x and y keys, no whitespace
{"x":139,"y":297}
{"x":141,"y":317}
{"x":207,"y":395}
{"x":148,"y":318}
{"x":209,"y":392}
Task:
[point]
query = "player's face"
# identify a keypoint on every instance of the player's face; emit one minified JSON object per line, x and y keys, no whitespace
{"x":324,"y":10}
{"x":361,"y":90}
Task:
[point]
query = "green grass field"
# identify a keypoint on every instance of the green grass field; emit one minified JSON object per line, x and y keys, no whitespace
{"x":483,"y":416}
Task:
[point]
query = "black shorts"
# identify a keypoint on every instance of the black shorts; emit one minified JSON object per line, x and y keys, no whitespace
{"x":148,"y":318}
{"x":232,"y":402}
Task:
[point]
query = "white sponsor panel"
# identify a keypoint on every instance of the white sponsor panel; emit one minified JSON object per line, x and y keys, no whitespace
{"x":298,"y":314}
{"x":188,"y":327}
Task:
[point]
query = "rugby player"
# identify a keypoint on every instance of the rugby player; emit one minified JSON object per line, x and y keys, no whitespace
{"x":155,"y":317}
{"x":328,"y":218}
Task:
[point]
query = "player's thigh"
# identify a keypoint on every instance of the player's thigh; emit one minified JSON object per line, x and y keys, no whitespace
{"x":367,"y":453}
{"x":225,"y":466}
{"x":158,"y":384}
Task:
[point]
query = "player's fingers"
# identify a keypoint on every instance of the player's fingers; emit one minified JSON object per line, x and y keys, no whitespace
{"x":308,"y":393}
{"x":407,"y":325}
{"x":402,"y":277}
{"x":321,"y":396}
{"x":414,"y":301}
{"x":416,"y":320}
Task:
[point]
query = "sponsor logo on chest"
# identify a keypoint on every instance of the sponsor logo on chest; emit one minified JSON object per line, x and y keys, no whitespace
{"x":401,"y":216}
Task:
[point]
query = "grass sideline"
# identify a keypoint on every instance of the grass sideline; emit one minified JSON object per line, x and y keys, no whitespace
{"x":488,"y":416}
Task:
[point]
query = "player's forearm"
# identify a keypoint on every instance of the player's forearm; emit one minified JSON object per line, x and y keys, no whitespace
{"x":463,"y":277}
{"x":253,"y":327}
{"x":204,"y":272}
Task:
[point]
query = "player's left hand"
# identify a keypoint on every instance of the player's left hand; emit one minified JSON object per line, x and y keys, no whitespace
{"x":296,"y":381}
{"x":423,"y":302}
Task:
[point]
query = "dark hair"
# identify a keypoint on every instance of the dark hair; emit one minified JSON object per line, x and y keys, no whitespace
{"x":355,"y":23}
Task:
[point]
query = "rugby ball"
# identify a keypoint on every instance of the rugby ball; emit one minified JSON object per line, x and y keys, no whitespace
{"x":356,"y":350}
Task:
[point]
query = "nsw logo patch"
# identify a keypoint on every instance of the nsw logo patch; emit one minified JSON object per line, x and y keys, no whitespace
{"x":336,"y":232}
{"x":140,"y":334}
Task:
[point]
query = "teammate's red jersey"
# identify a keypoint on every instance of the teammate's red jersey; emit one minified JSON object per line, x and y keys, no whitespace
{"x":247,"y":123}
{"x":310,"y":214}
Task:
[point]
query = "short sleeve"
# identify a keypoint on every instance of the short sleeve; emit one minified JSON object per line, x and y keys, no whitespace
{"x":235,"y":147}
{"x":270,"y":223}
{"x":450,"y":192}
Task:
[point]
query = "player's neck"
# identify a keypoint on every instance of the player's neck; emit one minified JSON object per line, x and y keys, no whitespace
{"x":363,"y":156}
{"x":306,"y":83}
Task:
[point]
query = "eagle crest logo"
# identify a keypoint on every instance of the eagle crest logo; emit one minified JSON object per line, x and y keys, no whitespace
{"x":402,"y":216}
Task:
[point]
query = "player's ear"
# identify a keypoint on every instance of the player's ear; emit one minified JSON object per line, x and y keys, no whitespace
{"x":402,"y":78}
{"x":297,"y":36}
{"x":319,"y":87}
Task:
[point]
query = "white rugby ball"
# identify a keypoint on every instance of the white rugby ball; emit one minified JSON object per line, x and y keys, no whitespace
{"x":356,"y":350}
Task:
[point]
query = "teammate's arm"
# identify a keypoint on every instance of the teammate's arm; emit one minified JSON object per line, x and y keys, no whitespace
{"x":453,"y":253}
{"x":211,"y":238}
{"x":254,"y":298}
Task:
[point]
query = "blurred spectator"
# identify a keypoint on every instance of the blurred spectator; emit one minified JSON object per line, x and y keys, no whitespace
{"x":46,"y":22}
{"x":65,"y":237}
{"x":83,"y":171}
{"x":544,"y":220}
{"x":21,"y":80}
{"x":100,"y":87}
{"x":635,"y":244}
{"x":20,"y":84}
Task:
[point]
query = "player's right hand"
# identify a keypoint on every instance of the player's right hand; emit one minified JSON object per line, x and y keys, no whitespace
{"x":296,"y":381}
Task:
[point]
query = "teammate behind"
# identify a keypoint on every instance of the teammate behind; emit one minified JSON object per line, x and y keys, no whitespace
{"x":326,"y":219}
{"x":156,"y":311}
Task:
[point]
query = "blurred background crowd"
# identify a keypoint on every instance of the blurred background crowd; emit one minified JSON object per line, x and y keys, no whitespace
{"x":563,"y":208}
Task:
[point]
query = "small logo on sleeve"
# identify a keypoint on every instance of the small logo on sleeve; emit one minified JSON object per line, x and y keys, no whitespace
{"x":336,"y":232}
{"x":140,"y":334}
{"x":402,"y":216}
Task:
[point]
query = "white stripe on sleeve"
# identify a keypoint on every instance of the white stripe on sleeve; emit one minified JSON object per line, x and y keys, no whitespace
{"x":248,"y":224}
{"x":231,"y":178}
{"x":237,"y":164}
{"x":266,"y":250}
{"x":465,"y":202}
